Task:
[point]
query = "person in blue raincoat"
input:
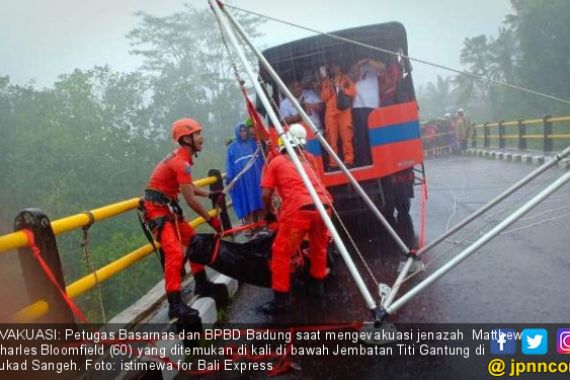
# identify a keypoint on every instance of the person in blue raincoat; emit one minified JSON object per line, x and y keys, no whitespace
{"x":246,"y":193}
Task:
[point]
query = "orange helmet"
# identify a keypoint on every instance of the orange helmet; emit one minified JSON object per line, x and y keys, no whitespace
{"x":184,"y":127}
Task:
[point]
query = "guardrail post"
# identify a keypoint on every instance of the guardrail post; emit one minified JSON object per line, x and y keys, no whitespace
{"x":38,"y":286}
{"x":486,"y":134}
{"x":501,"y":135}
{"x":474,"y":137}
{"x":522,"y":134}
{"x":547,"y":133}
{"x":219,"y":185}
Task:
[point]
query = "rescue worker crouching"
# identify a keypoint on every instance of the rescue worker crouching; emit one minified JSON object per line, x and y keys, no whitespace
{"x":173,"y":175}
{"x":298,"y":217}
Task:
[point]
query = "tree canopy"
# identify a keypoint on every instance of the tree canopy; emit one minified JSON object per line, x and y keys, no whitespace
{"x":530,"y":50}
{"x":94,"y":138}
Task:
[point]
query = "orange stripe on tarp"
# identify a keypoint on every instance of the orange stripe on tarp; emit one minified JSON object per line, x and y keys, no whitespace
{"x":396,"y":157}
{"x":390,"y":115}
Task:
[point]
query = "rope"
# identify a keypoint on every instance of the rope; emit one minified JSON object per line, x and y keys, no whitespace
{"x":490,"y":219}
{"x":241,"y":84}
{"x":49,"y":274}
{"x":423,"y":213}
{"x":247,"y":166}
{"x":232,"y":60}
{"x":231,"y":231}
{"x":89,"y":263}
{"x":422,"y":61}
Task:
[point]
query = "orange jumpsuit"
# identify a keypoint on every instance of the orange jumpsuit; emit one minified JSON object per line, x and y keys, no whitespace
{"x":174,"y":170}
{"x":297,"y":218}
{"x":339,"y":123}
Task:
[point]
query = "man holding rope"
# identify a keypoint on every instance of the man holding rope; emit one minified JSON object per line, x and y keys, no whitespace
{"x":173,"y":175}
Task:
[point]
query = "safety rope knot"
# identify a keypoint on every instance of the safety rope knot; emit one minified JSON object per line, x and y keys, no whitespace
{"x":91,"y":219}
{"x":89,"y":262}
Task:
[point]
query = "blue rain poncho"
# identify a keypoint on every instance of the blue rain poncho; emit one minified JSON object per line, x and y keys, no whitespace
{"x":246,"y":194}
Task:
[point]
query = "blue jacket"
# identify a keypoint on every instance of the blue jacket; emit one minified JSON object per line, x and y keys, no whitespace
{"x":246,"y":194}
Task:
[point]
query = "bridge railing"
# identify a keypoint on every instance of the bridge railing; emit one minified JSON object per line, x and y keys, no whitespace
{"x":439,"y":143}
{"x":547,"y":134}
{"x":47,"y":303}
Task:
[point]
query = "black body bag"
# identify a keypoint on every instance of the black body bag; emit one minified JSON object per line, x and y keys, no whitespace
{"x":247,"y":262}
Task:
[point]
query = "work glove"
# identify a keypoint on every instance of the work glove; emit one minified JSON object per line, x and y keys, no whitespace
{"x":270,"y":218}
{"x":215,"y":223}
{"x":218,"y":197}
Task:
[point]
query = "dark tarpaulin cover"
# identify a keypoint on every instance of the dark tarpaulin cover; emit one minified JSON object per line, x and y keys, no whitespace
{"x":247,"y":262}
{"x":291,"y":59}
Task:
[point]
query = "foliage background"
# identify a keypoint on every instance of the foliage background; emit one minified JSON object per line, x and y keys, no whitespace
{"x":530,"y":50}
{"x":94,"y":138}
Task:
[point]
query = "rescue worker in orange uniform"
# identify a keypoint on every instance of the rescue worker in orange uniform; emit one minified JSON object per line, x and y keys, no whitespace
{"x":173,"y":175}
{"x":338,"y":123}
{"x":298,"y":217}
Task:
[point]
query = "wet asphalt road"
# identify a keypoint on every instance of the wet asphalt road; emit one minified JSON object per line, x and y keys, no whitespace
{"x":521,"y":276}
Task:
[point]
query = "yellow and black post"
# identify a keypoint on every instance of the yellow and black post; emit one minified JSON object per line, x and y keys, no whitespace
{"x":547,"y":133}
{"x":501,"y":135}
{"x":38,"y":286}
{"x":522,"y":135}
{"x":486,"y":133}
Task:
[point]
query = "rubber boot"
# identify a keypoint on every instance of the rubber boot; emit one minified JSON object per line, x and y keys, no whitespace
{"x":279,"y":305}
{"x":177,"y":308}
{"x":203,"y":286}
{"x":315,"y":288}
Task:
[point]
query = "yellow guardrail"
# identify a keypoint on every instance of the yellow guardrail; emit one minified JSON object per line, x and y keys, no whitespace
{"x":548,"y":136}
{"x":18,"y":239}
{"x":514,"y":123}
{"x":75,"y":289}
{"x":437,"y":135}
{"x":526,"y":137}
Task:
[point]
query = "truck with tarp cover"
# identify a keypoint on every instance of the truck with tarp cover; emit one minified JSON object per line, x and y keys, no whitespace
{"x":391,"y":161}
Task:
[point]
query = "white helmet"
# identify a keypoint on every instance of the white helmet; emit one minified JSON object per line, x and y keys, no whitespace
{"x":447,"y":115}
{"x":299,"y":133}
{"x":460,"y":110}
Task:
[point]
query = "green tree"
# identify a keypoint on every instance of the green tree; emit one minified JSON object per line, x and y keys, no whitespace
{"x":190,"y":68}
{"x":437,"y":98}
{"x":543,"y":34}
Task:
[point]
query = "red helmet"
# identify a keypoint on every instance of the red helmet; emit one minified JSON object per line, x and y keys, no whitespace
{"x":184,"y":127}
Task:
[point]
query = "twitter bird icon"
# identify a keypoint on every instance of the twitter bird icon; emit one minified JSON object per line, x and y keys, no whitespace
{"x":534,"y":341}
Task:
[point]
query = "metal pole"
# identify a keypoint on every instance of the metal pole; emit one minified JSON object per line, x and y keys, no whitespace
{"x":275,"y":120}
{"x":318,"y":134}
{"x":481,"y":242}
{"x":541,"y":169}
